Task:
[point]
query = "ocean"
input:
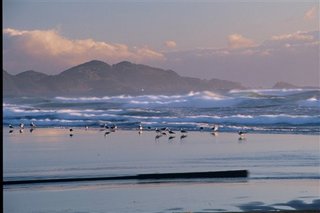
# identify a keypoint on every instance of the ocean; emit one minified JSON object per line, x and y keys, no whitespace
{"x":293,"y":111}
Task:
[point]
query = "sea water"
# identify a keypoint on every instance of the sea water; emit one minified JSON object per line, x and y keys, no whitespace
{"x":272,"y":110}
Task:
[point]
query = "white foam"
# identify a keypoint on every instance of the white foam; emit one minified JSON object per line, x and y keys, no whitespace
{"x":194,"y":108}
{"x":311,"y":102}
{"x":272,"y":92}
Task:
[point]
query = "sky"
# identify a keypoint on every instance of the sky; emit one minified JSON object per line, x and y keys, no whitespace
{"x":257,"y":43}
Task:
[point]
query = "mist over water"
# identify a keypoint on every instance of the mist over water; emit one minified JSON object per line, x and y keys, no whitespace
{"x":273,"y":110}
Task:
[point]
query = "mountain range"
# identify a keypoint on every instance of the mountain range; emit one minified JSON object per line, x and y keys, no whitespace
{"x":97,"y":78}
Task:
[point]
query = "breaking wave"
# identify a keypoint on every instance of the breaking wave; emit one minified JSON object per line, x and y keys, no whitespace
{"x":261,"y":110}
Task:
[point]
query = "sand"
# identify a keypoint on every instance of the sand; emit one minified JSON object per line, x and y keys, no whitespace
{"x":290,"y":162}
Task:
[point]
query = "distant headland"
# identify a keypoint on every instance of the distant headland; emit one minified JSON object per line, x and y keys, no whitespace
{"x":97,"y":78}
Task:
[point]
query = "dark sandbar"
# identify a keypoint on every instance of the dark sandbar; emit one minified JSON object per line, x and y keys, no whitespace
{"x":155,"y":176}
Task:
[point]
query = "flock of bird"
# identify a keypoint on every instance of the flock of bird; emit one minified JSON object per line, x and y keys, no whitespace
{"x":164,"y":131}
{"x":21,"y":127}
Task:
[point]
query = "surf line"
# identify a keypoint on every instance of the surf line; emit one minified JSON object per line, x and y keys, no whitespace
{"x":155,"y":176}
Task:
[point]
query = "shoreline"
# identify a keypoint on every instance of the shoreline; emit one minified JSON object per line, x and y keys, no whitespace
{"x":276,"y":179}
{"x":256,"y":132}
{"x":279,"y":211}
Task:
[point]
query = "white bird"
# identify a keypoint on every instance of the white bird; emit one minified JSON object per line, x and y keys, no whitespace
{"x":140,"y":127}
{"x":32,"y":125}
{"x":113,"y":128}
{"x":21,"y":125}
{"x":241,"y":133}
{"x":215,"y":128}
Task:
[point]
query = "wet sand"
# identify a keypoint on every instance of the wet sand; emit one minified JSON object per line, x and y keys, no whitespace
{"x":293,"y":182}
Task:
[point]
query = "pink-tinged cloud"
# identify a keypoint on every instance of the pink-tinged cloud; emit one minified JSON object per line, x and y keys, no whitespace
{"x":298,"y":36}
{"x":311,"y":14}
{"x":292,"y":58}
{"x":170,"y":44}
{"x":239,"y":41}
{"x":38,"y":46}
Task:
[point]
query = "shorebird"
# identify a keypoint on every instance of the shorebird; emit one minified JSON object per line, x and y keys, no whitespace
{"x":157,"y":137}
{"x":86,"y":127}
{"x":171,"y":137}
{"x":106,"y":133}
{"x":201,"y":128}
{"x":183,"y":131}
{"x":32,"y":125}
{"x":215,"y":128}
{"x":70,"y":130}
{"x":21,"y":125}
{"x":183,"y":136}
{"x":158,"y":130}
{"x":171,"y":132}
{"x":242,"y":133}
{"x":10,"y":126}
{"x":140,"y":127}
{"x":21,"y":130}
{"x":113,"y":128}
{"x":11,"y":131}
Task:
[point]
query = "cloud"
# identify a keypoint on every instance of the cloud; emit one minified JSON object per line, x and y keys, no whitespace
{"x":299,"y":38}
{"x":299,"y":35}
{"x":291,"y":57}
{"x":170,"y":44}
{"x":48,"y":45}
{"x":239,"y":41}
{"x":311,"y":14}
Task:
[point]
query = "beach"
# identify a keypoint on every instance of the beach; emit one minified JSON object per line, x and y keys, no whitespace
{"x":152,"y":106}
{"x":283,"y":170}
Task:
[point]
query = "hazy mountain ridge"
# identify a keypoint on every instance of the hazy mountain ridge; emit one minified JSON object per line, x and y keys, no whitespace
{"x":97,"y":78}
{"x":286,"y":85}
